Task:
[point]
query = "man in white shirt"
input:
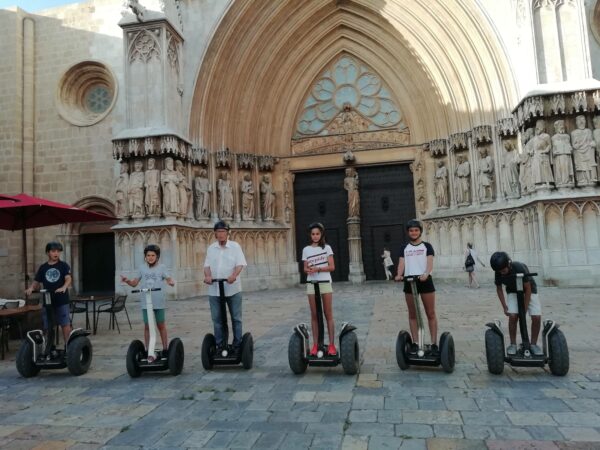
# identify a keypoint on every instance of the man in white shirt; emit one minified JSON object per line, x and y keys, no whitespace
{"x":225,"y":260}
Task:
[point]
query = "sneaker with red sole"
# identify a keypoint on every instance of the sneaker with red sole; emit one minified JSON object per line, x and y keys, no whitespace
{"x":314,"y":350}
{"x":331,"y":350}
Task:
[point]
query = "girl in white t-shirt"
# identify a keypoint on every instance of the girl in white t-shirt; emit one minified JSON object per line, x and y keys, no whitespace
{"x":318,"y":265}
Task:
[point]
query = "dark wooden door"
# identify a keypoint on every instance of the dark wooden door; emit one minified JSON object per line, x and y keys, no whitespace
{"x":387,"y":203}
{"x":320,"y":197}
{"x":98,"y":263}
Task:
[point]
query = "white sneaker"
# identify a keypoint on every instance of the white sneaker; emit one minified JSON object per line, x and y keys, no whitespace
{"x":511,"y":350}
{"x":536,"y":350}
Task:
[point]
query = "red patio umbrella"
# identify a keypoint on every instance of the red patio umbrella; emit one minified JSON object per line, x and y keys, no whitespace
{"x":22,"y":211}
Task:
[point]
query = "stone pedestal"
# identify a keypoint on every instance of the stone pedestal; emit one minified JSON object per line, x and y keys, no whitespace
{"x":356,"y":272}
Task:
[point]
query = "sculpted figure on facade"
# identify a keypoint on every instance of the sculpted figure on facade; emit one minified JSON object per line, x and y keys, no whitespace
{"x":183,"y":186}
{"x":169,"y":180}
{"x":152,"y":185}
{"x":596,"y":135}
{"x":561,"y":156}
{"x":225,"y":196}
{"x":486,"y":176}
{"x":584,"y":147}
{"x":541,"y":170}
{"x":463,"y":181}
{"x":247,"y":188}
{"x":510,"y":170}
{"x":351,"y":185}
{"x":525,"y":178}
{"x":121,"y":190}
{"x":441,"y":185}
{"x":268,"y":198}
{"x":202,"y":191}
{"x":136,"y":190}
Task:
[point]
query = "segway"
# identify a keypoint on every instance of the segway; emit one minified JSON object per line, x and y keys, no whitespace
{"x":37,"y":352}
{"x":424,"y":355}
{"x":556,"y":351}
{"x":299,"y":356}
{"x":141,"y":360}
{"x":226,"y":355}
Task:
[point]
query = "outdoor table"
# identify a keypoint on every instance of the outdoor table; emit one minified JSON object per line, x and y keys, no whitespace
{"x":15,"y":312}
{"x":93,"y":299}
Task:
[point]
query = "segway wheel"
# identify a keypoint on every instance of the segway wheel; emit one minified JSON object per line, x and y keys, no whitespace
{"x":296,"y":357}
{"x":135,"y":354}
{"x":447,"y":352}
{"x":25,"y":365}
{"x":247,"y":351}
{"x":403,"y":341}
{"x":558,"y":353}
{"x":209,"y":345}
{"x":494,"y":352}
{"x":349,"y":353}
{"x":79,"y":355}
{"x":176,"y":356}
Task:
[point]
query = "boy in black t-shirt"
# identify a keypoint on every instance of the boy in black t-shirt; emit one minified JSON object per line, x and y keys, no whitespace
{"x":505,"y":275}
{"x":55,"y":277}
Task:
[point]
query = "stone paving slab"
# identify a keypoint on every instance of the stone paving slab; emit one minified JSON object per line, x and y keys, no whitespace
{"x":270,"y":407}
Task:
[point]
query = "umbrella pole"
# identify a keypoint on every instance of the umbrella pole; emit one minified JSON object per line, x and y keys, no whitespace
{"x":24,"y":241}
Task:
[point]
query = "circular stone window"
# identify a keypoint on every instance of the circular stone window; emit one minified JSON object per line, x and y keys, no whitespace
{"x":86,"y":93}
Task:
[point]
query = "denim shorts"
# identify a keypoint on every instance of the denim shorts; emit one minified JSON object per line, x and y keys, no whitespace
{"x":62,"y":315}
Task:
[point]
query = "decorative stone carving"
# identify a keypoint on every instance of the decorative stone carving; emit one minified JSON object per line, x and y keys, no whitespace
{"x":145,"y":46}
{"x":199,"y":155}
{"x":202,"y":190}
{"x":359,"y":141}
{"x":596,"y":99}
{"x":266,"y":162}
{"x":137,"y":9}
{"x":557,"y":104}
{"x":525,"y":177}
{"x":169,"y":180}
{"x":584,"y":145}
{"x":418,"y":170}
{"x":268,"y":198}
{"x":541,"y":170}
{"x":533,"y":107}
{"x":596,"y":134}
{"x":482,"y":134}
{"x":121,"y":191}
{"x":438,"y":147}
{"x":225,"y":196}
{"x":510,"y":170}
{"x":134,"y":147}
{"x":579,"y":101}
{"x":562,"y":156}
{"x":351,"y":185}
{"x":157,"y":145}
{"x":152,"y":185}
{"x":247,"y":189}
{"x":185,"y":191}
{"x":246,"y":160}
{"x":486,"y":176}
{"x":506,"y":127}
{"x":463,"y":181}
{"x":441,"y":186}
{"x":223,"y":158}
{"x":149,"y":146}
{"x":348,"y":157}
{"x":458,"y":141}
{"x":136,"y":191}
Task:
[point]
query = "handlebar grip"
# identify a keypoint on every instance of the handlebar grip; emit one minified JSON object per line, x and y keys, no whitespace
{"x":135,"y":291}
{"x":216,"y":280}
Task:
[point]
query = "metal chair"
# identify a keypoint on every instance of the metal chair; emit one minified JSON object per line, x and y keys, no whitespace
{"x":117,"y":305}
{"x":76,"y":308}
{"x":6,"y":323}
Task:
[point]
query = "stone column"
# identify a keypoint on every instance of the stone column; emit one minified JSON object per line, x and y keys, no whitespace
{"x":212,"y":174}
{"x":357,"y":272}
{"x":235,"y":185}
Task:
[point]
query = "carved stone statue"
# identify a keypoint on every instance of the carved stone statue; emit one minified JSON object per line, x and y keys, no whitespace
{"x":486,"y":176}
{"x":287,"y":208}
{"x":225,"y":196}
{"x":152,"y":185}
{"x":463,"y":181}
{"x":247,"y":189}
{"x":510,"y":170}
{"x":596,"y":134}
{"x":541,"y":170}
{"x":584,"y":153}
{"x":136,"y":191}
{"x":351,"y":185}
{"x":121,"y":190}
{"x":185,"y":191}
{"x":268,"y":198}
{"x":441,"y":185}
{"x":561,"y":156}
{"x":202,"y":191}
{"x":525,"y":178}
{"x":169,"y":179}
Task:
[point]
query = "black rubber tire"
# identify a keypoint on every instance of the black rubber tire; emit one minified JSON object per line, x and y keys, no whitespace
{"x":247,"y":349}
{"x":135,"y":353}
{"x":25,"y":365}
{"x":209,"y":345}
{"x":558,"y":353}
{"x":176,"y":356}
{"x":296,"y":356}
{"x":79,"y":355}
{"x":494,"y":352}
{"x":349,"y":353}
{"x":403,"y":341}
{"x":447,"y":352}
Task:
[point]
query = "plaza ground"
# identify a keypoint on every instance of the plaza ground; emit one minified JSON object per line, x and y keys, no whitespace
{"x":270,"y":407}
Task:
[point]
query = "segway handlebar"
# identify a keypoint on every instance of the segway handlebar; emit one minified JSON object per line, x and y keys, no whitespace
{"x":216,"y":280}
{"x":145,"y":290}
{"x":412,"y":278}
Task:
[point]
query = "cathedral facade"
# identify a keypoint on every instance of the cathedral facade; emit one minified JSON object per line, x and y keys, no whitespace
{"x":479,"y":118}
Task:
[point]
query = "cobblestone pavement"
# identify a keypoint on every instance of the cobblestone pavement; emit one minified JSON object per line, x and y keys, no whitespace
{"x":269,"y":407}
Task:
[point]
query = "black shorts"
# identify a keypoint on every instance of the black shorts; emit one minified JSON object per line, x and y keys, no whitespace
{"x":423,"y":287}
